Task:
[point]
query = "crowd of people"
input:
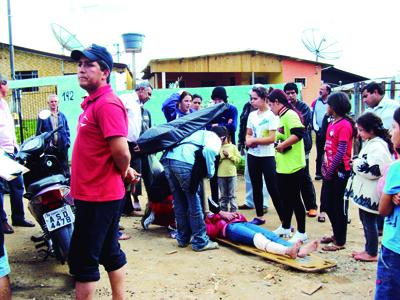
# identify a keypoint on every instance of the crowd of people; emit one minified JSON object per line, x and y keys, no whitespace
{"x":275,"y":138}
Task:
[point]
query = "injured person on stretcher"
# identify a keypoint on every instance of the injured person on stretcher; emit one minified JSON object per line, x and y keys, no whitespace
{"x":234,"y":227}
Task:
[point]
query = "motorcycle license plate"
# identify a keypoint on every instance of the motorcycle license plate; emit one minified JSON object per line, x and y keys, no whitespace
{"x":59,"y":217}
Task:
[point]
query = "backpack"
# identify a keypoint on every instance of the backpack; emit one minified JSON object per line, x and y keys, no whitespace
{"x":167,"y":136}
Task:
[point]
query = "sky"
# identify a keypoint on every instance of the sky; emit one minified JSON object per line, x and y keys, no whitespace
{"x":366,"y":31}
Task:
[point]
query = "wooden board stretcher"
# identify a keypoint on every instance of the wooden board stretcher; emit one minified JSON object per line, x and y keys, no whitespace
{"x":310,"y":263}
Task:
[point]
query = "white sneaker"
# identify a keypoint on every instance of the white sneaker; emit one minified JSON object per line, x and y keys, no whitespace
{"x":147,"y":220}
{"x":282,"y":232}
{"x":298,"y":237}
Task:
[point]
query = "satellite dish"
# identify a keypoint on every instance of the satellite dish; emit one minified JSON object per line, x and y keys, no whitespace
{"x":66,"y":39}
{"x":321,"y":44}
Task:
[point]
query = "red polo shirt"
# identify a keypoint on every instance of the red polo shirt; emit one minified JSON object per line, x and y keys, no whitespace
{"x":94,"y":175}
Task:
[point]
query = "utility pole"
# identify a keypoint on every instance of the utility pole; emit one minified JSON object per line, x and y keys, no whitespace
{"x":15,"y":92}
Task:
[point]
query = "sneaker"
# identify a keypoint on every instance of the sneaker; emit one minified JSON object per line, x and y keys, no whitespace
{"x":210,"y":246}
{"x":147,"y":218}
{"x":136,"y":206}
{"x":257,"y":221}
{"x":298,"y":237}
{"x":282,"y":232}
{"x":172,"y":232}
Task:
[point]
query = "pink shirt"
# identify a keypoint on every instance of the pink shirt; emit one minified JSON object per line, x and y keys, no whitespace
{"x":94,"y":175}
{"x":337,"y":132}
{"x":7,"y":131}
{"x":215,"y":225}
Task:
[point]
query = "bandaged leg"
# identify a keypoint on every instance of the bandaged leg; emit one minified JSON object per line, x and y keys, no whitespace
{"x":262,"y":243}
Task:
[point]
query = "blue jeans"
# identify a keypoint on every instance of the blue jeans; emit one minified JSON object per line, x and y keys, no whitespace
{"x":370,"y":225}
{"x":16,"y":187}
{"x":387,"y":275}
{"x":187,"y":205}
{"x":244,"y":232}
{"x":227,"y":187}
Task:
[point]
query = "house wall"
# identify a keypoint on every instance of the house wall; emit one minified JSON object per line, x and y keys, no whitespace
{"x":292,"y":69}
{"x":47,"y":66}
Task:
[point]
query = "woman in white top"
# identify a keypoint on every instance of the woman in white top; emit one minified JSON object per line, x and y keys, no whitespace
{"x":260,"y":138}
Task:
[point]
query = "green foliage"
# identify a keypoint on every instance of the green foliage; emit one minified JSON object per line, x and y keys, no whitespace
{"x":29,"y":129}
{"x":240,"y":166}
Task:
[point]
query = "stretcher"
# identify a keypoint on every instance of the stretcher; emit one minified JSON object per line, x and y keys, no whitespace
{"x":310,"y":263}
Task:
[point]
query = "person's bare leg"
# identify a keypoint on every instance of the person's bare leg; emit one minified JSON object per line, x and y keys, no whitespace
{"x":308,"y":248}
{"x":5,"y":289}
{"x":117,"y":281}
{"x":85,"y":290}
{"x":293,"y":251}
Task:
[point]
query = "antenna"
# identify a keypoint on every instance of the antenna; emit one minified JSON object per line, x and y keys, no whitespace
{"x":66,"y":39}
{"x":321,"y":44}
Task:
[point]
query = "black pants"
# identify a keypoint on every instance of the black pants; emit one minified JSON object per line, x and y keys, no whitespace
{"x":259,"y":167}
{"x":332,"y":200}
{"x":214,"y":182}
{"x":308,"y":190}
{"x":289,"y":187}
{"x":320,"y":145}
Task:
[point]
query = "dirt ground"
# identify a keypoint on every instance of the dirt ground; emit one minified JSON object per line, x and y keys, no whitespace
{"x":158,"y":269}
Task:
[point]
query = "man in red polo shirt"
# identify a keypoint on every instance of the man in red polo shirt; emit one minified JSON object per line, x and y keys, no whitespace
{"x":100,"y":164}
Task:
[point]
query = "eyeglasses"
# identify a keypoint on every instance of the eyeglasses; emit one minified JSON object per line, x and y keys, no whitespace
{"x":3,"y":82}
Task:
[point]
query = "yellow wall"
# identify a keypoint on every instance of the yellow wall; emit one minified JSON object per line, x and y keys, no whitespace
{"x":240,"y":62}
{"x":46,"y":66}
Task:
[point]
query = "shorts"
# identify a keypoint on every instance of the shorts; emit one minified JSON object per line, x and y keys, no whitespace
{"x":4,"y":266}
{"x":95,"y":240}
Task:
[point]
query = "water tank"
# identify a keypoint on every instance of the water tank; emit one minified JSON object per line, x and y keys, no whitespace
{"x":133,"y":42}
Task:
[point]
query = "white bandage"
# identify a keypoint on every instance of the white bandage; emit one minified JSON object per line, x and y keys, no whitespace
{"x":262,"y":243}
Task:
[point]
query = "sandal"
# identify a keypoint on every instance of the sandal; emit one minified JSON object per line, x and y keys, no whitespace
{"x":124,"y":237}
{"x":333,"y":247}
{"x":366,"y":257}
{"x":327,"y":239}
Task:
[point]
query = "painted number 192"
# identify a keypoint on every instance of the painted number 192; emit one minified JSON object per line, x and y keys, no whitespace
{"x":68,"y":96}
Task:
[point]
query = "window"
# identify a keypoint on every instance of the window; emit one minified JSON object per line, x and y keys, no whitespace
{"x":300,"y":80}
{"x":27,"y":75}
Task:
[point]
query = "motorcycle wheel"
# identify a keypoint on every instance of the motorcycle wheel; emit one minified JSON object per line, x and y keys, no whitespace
{"x":61,"y":239}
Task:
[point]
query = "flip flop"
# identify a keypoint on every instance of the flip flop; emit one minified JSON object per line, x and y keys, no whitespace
{"x":366,"y":258}
{"x":327,"y":239}
{"x":124,"y":237}
{"x":333,"y":247}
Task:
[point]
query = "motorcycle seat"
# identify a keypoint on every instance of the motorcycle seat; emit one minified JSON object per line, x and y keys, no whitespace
{"x":43,"y":183}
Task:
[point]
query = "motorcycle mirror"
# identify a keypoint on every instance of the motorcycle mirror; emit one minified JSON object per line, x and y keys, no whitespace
{"x":44,"y":114}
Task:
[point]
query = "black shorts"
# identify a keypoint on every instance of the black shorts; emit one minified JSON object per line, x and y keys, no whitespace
{"x":95,"y":240}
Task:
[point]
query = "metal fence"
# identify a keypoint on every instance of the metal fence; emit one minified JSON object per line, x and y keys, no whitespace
{"x":391,"y":88}
{"x":32,"y":101}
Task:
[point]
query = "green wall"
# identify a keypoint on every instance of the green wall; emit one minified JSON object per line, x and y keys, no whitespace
{"x":70,"y":95}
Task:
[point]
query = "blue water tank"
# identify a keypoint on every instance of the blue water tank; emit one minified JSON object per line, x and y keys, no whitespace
{"x":133,"y":42}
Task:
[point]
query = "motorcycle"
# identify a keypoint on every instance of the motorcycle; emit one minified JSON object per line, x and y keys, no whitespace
{"x":47,"y":190}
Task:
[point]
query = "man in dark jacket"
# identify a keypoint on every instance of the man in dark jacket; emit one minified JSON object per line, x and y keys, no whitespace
{"x":228,"y":119}
{"x":61,"y":139}
{"x":307,"y":188}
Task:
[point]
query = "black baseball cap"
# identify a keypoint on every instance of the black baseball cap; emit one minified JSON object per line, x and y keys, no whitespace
{"x":94,"y":53}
